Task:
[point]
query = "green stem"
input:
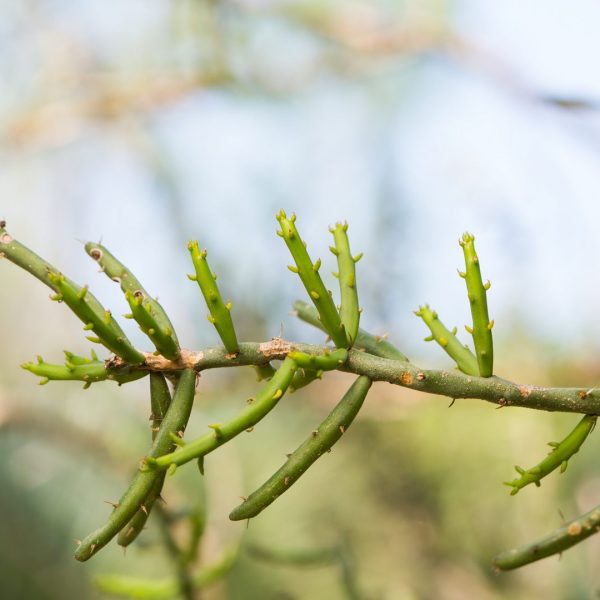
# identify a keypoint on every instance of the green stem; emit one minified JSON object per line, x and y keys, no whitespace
{"x":451,"y":383}
{"x":175,"y":421}
{"x":89,"y":371}
{"x":558,"y":457}
{"x":320,"y":441}
{"x":160,"y":400}
{"x":558,"y":541}
{"x":118,"y":272}
{"x":265,"y":401}
{"x":309,"y":274}
{"x":142,"y":310}
{"x":477,"y":292}
{"x":82,"y":302}
{"x":220,"y":313}
{"x":461,"y":355}
{"x":349,"y":310}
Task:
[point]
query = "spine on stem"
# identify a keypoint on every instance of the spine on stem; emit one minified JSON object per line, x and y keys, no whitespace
{"x":461,"y":355}
{"x":349,"y":310}
{"x":320,"y":441}
{"x":558,"y":457}
{"x":172,"y":425}
{"x":149,"y":314}
{"x":257,"y":408}
{"x":477,"y":292}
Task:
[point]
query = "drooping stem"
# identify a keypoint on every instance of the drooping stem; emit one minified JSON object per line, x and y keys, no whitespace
{"x":319,"y":442}
{"x":175,"y":421}
{"x":265,"y":401}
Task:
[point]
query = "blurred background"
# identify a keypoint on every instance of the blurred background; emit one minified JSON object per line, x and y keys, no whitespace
{"x":149,"y":123}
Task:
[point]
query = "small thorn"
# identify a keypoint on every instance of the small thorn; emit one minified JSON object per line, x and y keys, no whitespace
{"x":490,"y":325}
{"x":314,"y":295}
{"x":487,"y":285}
{"x":357,"y":257}
{"x":334,"y":250}
{"x":317,"y":265}
{"x":469,"y":329}
{"x":192,"y":277}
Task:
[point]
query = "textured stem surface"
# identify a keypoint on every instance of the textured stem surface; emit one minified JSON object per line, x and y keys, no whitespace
{"x":160,"y":400}
{"x":477,"y":292}
{"x":81,"y":302}
{"x":118,"y":272}
{"x":465,"y":360}
{"x":220,"y":315}
{"x":349,"y":310}
{"x":561,"y":539}
{"x":175,"y":421}
{"x":264,"y":402}
{"x":558,"y":457}
{"x":319,"y":442}
{"x":309,"y":275}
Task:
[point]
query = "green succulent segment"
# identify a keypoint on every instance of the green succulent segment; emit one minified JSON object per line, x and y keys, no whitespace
{"x":77,"y":298}
{"x":160,"y":400}
{"x":220,"y":315}
{"x":461,"y":355}
{"x":349,"y":311}
{"x":136,"y":524}
{"x":150,"y":315}
{"x":376,"y":345}
{"x":96,"y":318}
{"x":558,"y":541}
{"x":143,"y":312}
{"x":328,"y":361}
{"x":319,"y":442}
{"x":477,"y":292}
{"x":309,"y":274}
{"x":257,"y":408}
{"x":80,"y":368}
{"x":559,"y":456}
{"x":143,"y":483}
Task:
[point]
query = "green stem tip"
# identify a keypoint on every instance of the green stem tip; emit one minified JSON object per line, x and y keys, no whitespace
{"x":220,"y":313}
{"x":309,"y":275}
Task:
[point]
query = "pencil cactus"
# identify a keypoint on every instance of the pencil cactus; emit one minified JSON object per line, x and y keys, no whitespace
{"x":370,"y":357}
